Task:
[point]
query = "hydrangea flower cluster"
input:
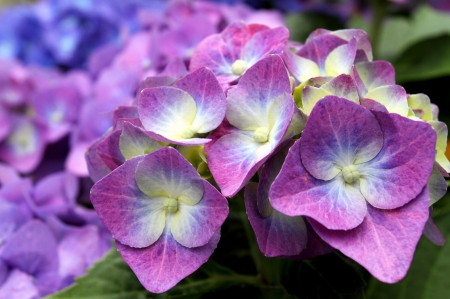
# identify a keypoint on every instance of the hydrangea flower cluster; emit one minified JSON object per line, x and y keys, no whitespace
{"x":50,"y":116}
{"x":328,"y":150}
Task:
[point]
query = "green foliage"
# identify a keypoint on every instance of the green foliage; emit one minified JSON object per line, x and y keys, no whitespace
{"x":424,"y":60}
{"x":417,"y":45}
{"x":428,"y":277}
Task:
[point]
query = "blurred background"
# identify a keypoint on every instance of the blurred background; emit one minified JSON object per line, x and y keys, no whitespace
{"x":64,"y":65}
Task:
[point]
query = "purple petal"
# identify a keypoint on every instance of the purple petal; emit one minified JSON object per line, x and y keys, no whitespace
{"x":167,"y":173}
{"x":202,"y":85}
{"x":219,"y":51}
{"x":175,"y":68}
{"x":55,"y":194}
{"x":338,"y":133}
{"x":340,"y":60}
{"x":300,"y":67}
{"x":162,"y":265}
{"x":432,"y":232}
{"x":19,"y":285}
{"x":319,"y":48}
{"x":57,"y":107}
{"x":268,"y":173}
{"x":78,"y":250}
{"x":372,"y":105}
{"x":18,"y":193}
{"x":24,"y":147}
{"x":277,"y":234}
{"x":232,"y":161}
{"x":385,"y":242}
{"x":4,"y":272}
{"x":362,"y":42}
{"x":403,"y":166}
{"x":132,"y":217}
{"x":108,"y":149}
{"x":127,"y":112}
{"x":249,"y":104}
{"x":373,"y":74}
{"x":134,"y":142}
{"x":342,"y":86}
{"x":333,"y":203}
{"x":170,"y":113}
{"x":32,"y":249}
{"x":8,"y":174}
{"x":393,"y":97}
{"x":11,"y":219}
{"x":97,"y":168}
{"x":194,"y":225}
{"x":209,"y":54}
{"x":76,"y":162}
{"x":270,"y":41}
{"x":155,"y":81}
{"x":315,"y":246}
{"x":5,"y":124}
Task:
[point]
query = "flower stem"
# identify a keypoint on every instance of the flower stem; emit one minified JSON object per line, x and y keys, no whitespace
{"x":252,"y":243}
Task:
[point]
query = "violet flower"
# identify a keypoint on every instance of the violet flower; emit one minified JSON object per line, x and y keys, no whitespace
{"x":162,"y":191}
{"x":370,"y":178}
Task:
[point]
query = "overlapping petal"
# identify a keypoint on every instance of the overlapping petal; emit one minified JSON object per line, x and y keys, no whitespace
{"x":342,"y":86}
{"x":248,"y":104}
{"x":340,"y":133}
{"x":167,"y":174}
{"x":132,"y":217}
{"x":232,"y":161}
{"x":167,"y":112}
{"x":385,"y":242}
{"x":245,"y":44}
{"x":162,"y":265}
{"x":134,"y":142}
{"x":261,"y":101}
{"x":196,"y":104}
{"x":277,"y":234}
{"x":441,"y":144}
{"x":393,"y":97}
{"x":403,"y":166}
{"x":194,"y":225}
{"x":372,"y":74}
{"x":202,"y":85}
{"x":332,"y":203}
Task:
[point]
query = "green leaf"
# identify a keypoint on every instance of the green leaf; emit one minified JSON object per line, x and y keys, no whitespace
{"x":428,"y":277}
{"x":109,"y":278}
{"x":425,"y":60}
{"x":398,"y":32}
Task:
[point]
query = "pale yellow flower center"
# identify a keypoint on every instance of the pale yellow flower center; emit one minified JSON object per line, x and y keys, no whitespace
{"x":239,"y":67}
{"x":350,"y":174}
{"x":261,"y":134}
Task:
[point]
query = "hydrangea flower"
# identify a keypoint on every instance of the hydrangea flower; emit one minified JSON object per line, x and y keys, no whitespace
{"x":238,"y":47}
{"x":352,"y":172}
{"x":25,"y":144}
{"x":279,"y":235}
{"x":166,"y":219}
{"x":328,"y":54}
{"x":194,"y":105}
{"x":32,"y":250}
{"x":259,"y":109}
